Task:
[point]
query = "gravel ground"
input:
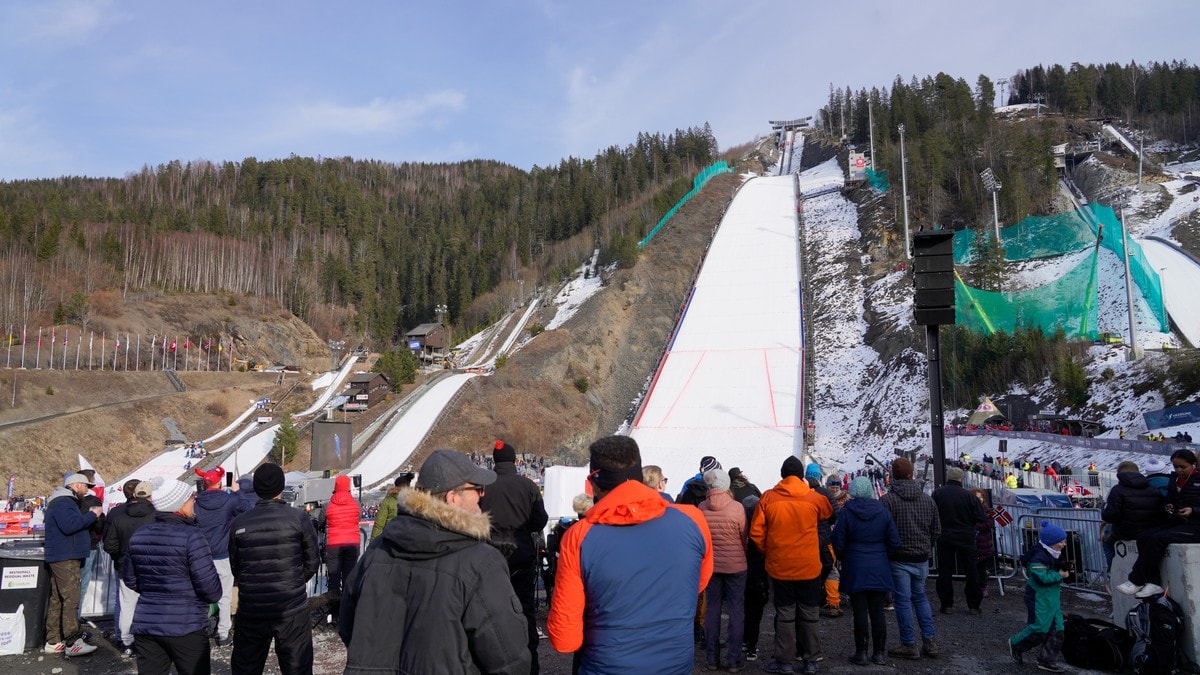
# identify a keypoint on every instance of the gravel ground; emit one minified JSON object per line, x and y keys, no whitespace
{"x":968,"y":644}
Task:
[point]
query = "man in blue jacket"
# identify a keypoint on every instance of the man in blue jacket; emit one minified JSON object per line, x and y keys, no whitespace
{"x":215,"y":510}
{"x":67,"y":546}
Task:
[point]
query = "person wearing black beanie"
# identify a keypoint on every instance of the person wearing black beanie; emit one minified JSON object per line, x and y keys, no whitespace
{"x":792,"y":466}
{"x":515,"y":506}
{"x":268,"y":481}
{"x":273,"y":552}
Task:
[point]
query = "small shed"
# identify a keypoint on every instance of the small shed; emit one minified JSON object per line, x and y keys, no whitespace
{"x":366,"y":389}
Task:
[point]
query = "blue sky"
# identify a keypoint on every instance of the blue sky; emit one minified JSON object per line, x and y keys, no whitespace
{"x":101,"y":88}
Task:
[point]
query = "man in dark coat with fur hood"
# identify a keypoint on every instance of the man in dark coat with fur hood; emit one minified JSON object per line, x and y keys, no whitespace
{"x":431,"y":593}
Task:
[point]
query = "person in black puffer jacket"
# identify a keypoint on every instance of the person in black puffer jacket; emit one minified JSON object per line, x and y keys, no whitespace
{"x":273,"y":553}
{"x":1183,"y":527}
{"x":123,"y":521}
{"x":171,"y":568}
{"x":1133,"y":506}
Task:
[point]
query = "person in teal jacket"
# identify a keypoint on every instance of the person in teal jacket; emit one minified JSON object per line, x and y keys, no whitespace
{"x":1044,"y":586}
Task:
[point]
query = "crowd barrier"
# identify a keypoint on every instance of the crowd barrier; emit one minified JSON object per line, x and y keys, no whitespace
{"x":1084,"y":548}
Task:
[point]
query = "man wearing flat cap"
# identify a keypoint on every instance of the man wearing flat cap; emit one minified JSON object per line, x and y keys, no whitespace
{"x":273,"y":553}
{"x":431,"y":594}
{"x":67,"y":546}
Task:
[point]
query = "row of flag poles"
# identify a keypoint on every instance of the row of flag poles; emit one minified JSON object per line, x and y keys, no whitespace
{"x":163,"y":353}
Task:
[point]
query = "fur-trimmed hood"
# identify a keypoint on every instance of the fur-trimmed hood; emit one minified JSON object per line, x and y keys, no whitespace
{"x":425,"y":527}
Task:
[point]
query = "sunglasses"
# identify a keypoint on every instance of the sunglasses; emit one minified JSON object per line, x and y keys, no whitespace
{"x":473,"y":488}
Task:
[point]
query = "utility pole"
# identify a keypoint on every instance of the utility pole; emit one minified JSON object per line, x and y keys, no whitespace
{"x":904,"y":189}
{"x":1134,"y":352}
{"x":1039,"y":97}
{"x":1141,"y":141}
{"x":871,"y":124}
{"x":993,"y":185}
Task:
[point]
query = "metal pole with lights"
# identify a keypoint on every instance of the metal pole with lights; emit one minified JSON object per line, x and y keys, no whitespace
{"x":904,"y":189}
{"x":992,"y":185}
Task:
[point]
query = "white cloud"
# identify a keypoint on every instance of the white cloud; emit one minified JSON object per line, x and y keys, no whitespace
{"x":388,"y":117}
{"x":59,"y":24}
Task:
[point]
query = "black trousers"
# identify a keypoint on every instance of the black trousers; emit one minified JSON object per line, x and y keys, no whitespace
{"x":188,"y":653}
{"x":757,"y":594}
{"x":952,"y":557}
{"x":252,"y":644}
{"x":339,"y":560}
{"x":870,"y":622}
{"x":524,"y":583}
{"x":1152,"y":546}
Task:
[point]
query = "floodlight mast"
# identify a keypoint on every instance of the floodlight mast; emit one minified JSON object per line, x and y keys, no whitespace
{"x":992,"y":185}
{"x":904,"y":188}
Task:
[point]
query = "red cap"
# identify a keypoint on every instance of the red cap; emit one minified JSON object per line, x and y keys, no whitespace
{"x":212,"y":478}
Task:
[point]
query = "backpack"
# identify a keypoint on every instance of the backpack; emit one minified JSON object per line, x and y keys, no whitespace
{"x":1156,"y":626}
{"x":1094,"y":644}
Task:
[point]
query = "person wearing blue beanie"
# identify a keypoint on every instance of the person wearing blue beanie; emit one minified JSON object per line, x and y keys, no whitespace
{"x":1043,"y":588}
{"x":813,"y":470}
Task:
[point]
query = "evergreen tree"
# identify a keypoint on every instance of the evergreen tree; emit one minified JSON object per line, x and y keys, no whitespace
{"x":287,"y":440}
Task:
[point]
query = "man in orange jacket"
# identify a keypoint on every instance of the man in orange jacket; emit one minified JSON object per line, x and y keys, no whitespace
{"x":784,"y":528}
{"x":631,"y":546}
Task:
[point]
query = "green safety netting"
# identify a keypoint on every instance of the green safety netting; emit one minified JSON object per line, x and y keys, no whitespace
{"x":701,"y":179}
{"x":1068,"y":302}
{"x":878,"y":179}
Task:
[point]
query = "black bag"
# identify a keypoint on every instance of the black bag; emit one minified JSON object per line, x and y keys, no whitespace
{"x":1156,"y":626}
{"x":1094,"y":644}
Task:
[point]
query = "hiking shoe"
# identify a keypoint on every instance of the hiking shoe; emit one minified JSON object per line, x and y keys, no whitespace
{"x":1016,"y":655}
{"x":751,"y":654}
{"x":54,"y":647}
{"x":929,"y":648}
{"x":889,"y":607}
{"x":777,"y":667}
{"x":1050,"y":667}
{"x":879,"y":659}
{"x":947,"y":609}
{"x":224,"y":641}
{"x":710,"y":666}
{"x":809,"y":668}
{"x":831,"y":612}
{"x":906,"y":651}
{"x":735,"y":668}
{"x":1129,"y":588}
{"x":1149,"y":591}
{"x":127,"y":651}
{"x":79,"y":648}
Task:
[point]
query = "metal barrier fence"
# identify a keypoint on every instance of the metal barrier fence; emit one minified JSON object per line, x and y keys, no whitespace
{"x":1084,"y":549}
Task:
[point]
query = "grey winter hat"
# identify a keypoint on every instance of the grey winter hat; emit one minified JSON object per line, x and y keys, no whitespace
{"x":77,"y":478}
{"x":954,"y":473}
{"x":169,"y":494}
{"x":716,"y":479}
{"x":445,"y":470}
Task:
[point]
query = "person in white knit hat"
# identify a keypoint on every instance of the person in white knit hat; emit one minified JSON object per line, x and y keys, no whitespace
{"x":170,"y":566}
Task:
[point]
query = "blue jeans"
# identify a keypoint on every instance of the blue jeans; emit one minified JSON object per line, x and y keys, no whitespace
{"x":909,"y":579}
{"x":732,"y":589}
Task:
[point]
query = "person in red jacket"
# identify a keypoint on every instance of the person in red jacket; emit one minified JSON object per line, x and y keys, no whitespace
{"x":339,"y":521}
{"x":631,"y":546}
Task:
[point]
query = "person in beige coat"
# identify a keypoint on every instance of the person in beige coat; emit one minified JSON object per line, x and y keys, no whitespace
{"x":727,"y":523}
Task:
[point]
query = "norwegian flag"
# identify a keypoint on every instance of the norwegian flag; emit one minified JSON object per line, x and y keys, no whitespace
{"x":1077,"y":490}
{"x":1001,"y":515}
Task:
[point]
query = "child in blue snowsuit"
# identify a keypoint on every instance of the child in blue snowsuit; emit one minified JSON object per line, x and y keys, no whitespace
{"x":1042,"y":597}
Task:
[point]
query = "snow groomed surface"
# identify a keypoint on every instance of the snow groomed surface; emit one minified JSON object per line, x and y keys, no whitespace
{"x":729,"y":385}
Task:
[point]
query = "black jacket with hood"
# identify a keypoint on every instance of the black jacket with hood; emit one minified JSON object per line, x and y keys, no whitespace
{"x":431,"y":595}
{"x":273,"y":553}
{"x":123,"y":521}
{"x":1133,"y":506}
{"x":517,"y":511}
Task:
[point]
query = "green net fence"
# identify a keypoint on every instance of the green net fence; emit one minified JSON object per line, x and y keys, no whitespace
{"x":878,"y":179}
{"x":699,"y":182}
{"x":1069,"y":302}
